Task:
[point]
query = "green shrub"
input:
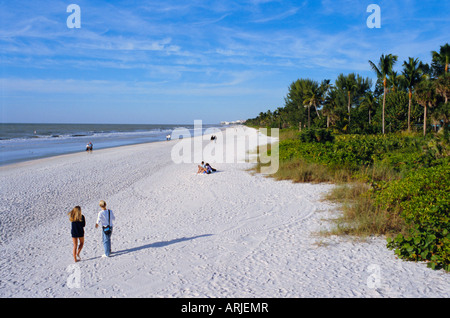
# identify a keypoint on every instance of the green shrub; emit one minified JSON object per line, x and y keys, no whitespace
{"x":344,"y":151}
{"x":423,"y":199}
{"x":409,"y":180}
{"x":316,"y":135}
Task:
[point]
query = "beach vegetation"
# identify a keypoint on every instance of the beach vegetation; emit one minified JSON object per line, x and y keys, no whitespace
{"x":384,"y":68}
{"x":385,"y":147}
{"x":397,"y":185}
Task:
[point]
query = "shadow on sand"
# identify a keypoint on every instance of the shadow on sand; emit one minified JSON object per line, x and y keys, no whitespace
{"x":157,"y":244}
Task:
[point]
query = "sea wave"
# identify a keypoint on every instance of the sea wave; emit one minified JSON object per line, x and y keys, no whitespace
{"x":26,"y":142}
{"x":111,"y":134}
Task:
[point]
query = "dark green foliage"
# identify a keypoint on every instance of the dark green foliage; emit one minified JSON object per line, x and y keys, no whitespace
{"x":423,"y":199}
{"x":351,"y":104}
{"x":350,"y":151}
{"x":408,"y":177}
{"x":316,"y":135}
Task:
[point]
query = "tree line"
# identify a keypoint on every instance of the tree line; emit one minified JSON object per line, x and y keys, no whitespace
{"x":414,"y":98}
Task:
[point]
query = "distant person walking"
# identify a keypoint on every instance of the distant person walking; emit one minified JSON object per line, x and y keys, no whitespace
{"x":105,"y":219}
{"x":78,"y":224}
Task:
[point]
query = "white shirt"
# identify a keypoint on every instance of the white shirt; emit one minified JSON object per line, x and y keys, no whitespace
{"x":102,"y":218}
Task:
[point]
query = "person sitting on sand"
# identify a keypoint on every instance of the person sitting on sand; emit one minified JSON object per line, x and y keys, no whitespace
{"x":205,"y":168}
{"x":209,"y":168}
{"x":201,"y":168}
{"x":78,"y":224}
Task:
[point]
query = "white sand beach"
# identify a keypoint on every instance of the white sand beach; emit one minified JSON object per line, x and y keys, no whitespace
{"x":182,"y":234}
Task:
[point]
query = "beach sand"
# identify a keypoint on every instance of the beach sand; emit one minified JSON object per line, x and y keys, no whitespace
{"x":180,"y":234}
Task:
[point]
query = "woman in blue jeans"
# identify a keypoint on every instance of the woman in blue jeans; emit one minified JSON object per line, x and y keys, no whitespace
{"x":105,"y":218}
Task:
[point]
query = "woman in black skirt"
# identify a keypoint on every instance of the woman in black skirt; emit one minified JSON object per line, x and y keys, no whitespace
{"x":78,"y":223}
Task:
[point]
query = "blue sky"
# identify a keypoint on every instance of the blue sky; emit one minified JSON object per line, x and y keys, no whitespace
{"x":177,"y":61}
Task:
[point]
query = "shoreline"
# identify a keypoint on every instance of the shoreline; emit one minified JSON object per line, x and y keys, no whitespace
{"x":179,"y":234}
{"x":37,"y":159}
{"x":69,"y":154}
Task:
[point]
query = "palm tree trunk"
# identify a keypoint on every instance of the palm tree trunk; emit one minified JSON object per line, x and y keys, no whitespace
{"x":425,"y":120}
{"x":348,"y":109}
{"x":409,"y":110}
{"x":384,"y":103}
{"x":309,"y":118}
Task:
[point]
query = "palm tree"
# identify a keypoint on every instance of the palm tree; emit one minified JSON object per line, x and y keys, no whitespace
{"x":313,"y":97}
{"x":294,"y":101}
{"x":412,"y":73}
{"x":384,"y":67}
{"x":347,"y":85}
{"x":443,"y":57}
{"x":395,"y":80}
{"x":351,"y":87}
{"x":443,"y":86}
{"x":330,"y":107}
{"x":442,"y":114}
{"x":426,"y":96}
{"x":326,"y":88}
{"x":369,"y":101}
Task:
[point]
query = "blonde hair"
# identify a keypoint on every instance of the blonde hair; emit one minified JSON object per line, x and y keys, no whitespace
{"x":102,"y":204}
{"x":75,"y":214}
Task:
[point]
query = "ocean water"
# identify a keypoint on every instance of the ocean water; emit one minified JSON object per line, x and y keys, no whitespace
{"x":23,"y":142}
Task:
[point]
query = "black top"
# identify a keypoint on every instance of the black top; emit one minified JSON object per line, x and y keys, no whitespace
{"x":78,"y":227}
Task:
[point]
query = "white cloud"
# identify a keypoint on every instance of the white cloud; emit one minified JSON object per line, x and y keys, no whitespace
{"x":218,"y":47}
{"x":279,"y":16}
{"x":227,"y":82}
